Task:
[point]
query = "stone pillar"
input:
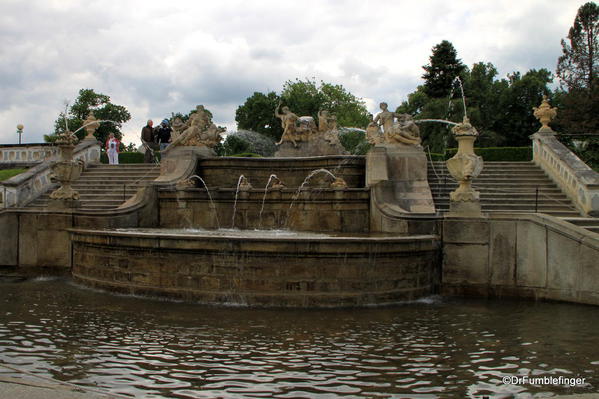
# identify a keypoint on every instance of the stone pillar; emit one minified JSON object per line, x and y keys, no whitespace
{"x":66,"y":171}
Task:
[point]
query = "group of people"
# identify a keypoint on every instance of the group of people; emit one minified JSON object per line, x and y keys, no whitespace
{"x":154,"y":138}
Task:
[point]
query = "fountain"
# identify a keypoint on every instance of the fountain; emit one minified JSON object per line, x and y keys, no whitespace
{"x":331,"y":253}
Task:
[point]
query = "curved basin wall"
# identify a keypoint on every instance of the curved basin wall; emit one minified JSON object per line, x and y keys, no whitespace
{"x":304,"y":271}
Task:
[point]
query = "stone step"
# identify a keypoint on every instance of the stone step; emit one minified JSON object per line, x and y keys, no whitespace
{"x":583,"y":222}
{"x":555,"y":213}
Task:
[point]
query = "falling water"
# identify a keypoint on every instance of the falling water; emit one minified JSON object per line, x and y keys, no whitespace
{"x":241,"y":177}
{"x":94,"y":122}
{"x":435,"y":120}
{"x":457,"y":79}
{"x":209,"y":197}
{"x":299,"y":190}
{"x":264,"y":198}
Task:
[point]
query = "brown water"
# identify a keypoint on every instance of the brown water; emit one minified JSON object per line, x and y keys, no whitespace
{"x":434,"y":348}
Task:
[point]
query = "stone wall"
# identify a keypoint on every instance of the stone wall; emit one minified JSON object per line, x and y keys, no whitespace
{"x":225,"y":171}
{"x":325,"y":210}
{"x":534,"y":256}
{"x":286,"y":272}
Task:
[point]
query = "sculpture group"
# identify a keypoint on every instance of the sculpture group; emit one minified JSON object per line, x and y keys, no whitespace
{"x":392,"y":128}
{"x":303,"y":128}
{"x":199,"y":130}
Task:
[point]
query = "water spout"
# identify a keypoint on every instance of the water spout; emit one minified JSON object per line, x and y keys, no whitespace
{"x":299,"y":190}
{"x":209,"y":197}
{"x":241,"y":178}
{"x":270,"y":178}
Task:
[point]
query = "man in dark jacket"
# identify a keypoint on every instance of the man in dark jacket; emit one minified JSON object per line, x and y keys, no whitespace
{"x":164,"y":134}
{"x":147,"y":139}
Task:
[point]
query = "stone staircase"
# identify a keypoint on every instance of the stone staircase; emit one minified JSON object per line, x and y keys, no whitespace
{"x":511,"y":187}
{"x":106,"y":186}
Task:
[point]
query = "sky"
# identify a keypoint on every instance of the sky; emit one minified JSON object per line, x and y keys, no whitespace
{"x":158,"y":57}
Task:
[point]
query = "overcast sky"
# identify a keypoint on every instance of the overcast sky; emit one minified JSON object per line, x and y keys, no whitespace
{"x":158,"y":57}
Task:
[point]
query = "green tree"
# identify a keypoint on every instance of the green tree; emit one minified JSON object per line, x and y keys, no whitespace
{"x":304,"y":98}
{"x":579,"y":63}
{"x":578,"y":101}
{"x":307,"y":98}
{"x":442,"y":69}
{"x":88,"y":100}
{"x":258,"y":114}
{"x":526,"y":91}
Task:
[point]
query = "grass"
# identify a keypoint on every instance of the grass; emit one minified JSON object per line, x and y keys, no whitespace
{"x":6,"y":174}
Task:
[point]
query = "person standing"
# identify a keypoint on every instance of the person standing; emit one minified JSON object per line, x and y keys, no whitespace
{"x":112,"y":149}
{"x":164,"y":134}
{"x":147,"y":139}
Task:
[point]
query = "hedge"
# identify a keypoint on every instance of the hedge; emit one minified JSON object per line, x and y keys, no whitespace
{"x":505,"y":154}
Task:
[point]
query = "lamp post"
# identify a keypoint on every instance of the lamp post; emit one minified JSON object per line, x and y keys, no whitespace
{"x":20,"y":131}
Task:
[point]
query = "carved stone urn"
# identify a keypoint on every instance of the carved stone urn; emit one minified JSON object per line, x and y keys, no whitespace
{"x":465,"y":166}
{"x":65,"y":171}
{"x":545,"y":113}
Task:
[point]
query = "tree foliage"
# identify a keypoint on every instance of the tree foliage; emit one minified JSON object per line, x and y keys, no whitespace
{"x":304,"y":98}
{"x":442,"y":69}
{"x":579,"y":63}
{"x":258,"y":114}
{"x":88,"y":100}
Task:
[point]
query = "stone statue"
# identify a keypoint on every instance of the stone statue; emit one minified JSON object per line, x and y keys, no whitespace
{"x":404,"y":131}
{"x":90,"y":125}
{"x":307,"y":138}
{"x":385,"y":118}
{"x":288,"y":121}
{"x":178,"y":127}
{"x":373,"y":132}
{"x":198,"y":131}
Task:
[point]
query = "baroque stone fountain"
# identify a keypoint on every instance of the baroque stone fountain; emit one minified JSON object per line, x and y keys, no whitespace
{"x":307,"y":229}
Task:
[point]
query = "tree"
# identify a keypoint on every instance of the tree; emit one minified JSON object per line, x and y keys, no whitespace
{"x":307,"y":98}
{"x":442,"y":69}
{"x":103,"y":109}
{"x":304,"y":98}
{"x":579,"y":63}
{"x":526,"y":91}
{"x":258,"y":114}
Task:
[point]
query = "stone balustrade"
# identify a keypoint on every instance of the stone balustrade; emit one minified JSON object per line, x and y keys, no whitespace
{"x":19,"y":155}
{"x":573,"y":176}
{"x":25,"y":187}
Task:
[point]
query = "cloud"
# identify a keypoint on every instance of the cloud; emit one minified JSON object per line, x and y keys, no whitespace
{"x":158,"y":57}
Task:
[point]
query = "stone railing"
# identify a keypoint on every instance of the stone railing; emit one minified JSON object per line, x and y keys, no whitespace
{"x":15,"y":155}
{"x":25,"y":187}
{"x":573,"y":176}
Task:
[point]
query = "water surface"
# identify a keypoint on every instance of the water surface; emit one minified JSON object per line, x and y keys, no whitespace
{"x":433,"y":348}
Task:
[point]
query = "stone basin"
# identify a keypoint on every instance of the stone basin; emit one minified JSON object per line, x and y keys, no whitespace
{"x":272,"y":268}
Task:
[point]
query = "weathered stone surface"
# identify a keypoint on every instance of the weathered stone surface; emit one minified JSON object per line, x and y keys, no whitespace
{"x":319,"y":271}
{"x":563,"y":262}
{"x":503,"y":249}
{"x":531,"y":260}
{"x":465,"y":264}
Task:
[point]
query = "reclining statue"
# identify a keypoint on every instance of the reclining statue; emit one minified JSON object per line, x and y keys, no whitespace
{"x":198,"y":130}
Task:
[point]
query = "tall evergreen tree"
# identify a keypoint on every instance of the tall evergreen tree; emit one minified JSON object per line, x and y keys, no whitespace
{"x":442,"y":69}
{"x":579,"y":64}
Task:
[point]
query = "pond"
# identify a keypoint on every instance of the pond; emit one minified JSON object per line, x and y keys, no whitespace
{"x":432,"y":348}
